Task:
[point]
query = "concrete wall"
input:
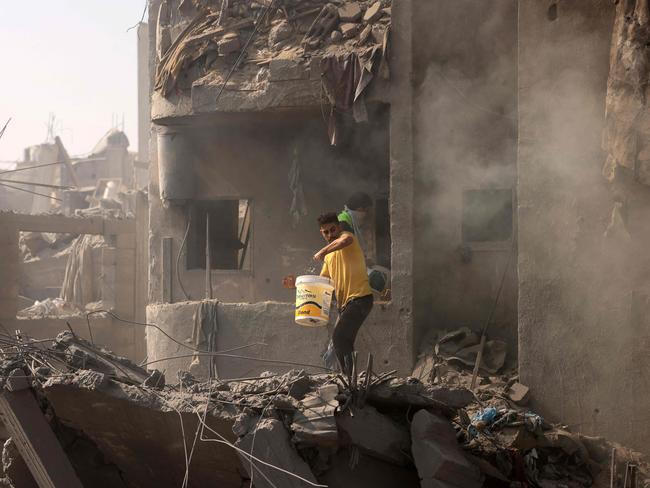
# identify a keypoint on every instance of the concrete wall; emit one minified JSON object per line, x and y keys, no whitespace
{"x":272,"y":324}
{"x":465,"y":78}
{"x":583,"y":297}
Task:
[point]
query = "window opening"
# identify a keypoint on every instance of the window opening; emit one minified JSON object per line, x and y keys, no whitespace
{"x":230,"y":234}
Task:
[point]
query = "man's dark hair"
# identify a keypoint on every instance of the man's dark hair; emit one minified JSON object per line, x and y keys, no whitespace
{"x":359,"y":200}
{"x":328,"y":218}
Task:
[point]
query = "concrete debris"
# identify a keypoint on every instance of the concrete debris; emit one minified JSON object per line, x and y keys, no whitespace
{"x":373,"y":13}
{"x":350,"y":12}
{"x":292,"y":429}
{"x":375,"y":434}
{"x":626,"y":137}
{"x":438,"y":457}
{"x":349,"y":30}
{"x":271,"y":443}
{"x":518,"y":393}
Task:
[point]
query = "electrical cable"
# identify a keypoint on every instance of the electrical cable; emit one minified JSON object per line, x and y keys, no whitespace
{"x":29,"y":191}
{"x":144,"y":324}
{"x":236,"y":356}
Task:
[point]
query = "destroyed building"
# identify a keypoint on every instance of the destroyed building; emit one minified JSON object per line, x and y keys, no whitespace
{"x":466,"y":207}
{"x":504,"y":145}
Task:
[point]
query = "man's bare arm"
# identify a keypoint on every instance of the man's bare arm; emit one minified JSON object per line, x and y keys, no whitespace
{"x":342,"y":242}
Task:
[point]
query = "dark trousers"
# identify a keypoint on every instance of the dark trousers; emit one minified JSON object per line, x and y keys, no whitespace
{"x":347,"y":326}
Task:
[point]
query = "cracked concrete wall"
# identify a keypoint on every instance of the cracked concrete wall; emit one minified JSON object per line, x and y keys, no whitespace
{"x":465,"y":129}
{"x":583,"y":296}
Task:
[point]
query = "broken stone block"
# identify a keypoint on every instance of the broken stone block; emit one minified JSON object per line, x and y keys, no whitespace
{"x":280,"y":32}
{"x":229,"y":44}
{"x":373,"y":13}
{"x":437,"y":455}
{"x":365,"y":34}
{"x":273,"y":445}
{"x":315,"y":424}
{"x":518,"y":393}
{"x":349,"y":30}
{"x":287,"y":70}
{"x":375,"y":434}
{"x":350,"y":12}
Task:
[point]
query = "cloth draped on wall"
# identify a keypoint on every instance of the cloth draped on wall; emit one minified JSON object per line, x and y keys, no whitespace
{"x":345,"y":79}
{"x":626,"y":137}
{"x":78,"y":287}
{"x":204,"y":337}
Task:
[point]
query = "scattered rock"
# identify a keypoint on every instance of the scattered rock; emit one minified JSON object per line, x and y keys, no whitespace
{"x":373,"y":13}
{"x":229,"y":44}
{"x":375,"y":434}
{"x":349,"y":30}
{"x":365,"y":34}
{"x":273,"y":445}
{"x":350,"y":12}
{"x":315,"y":424}
{"x":280,"y":32}
{"x":437,"y":455}
{"x":336,"y":36}
{"x":518,"y":393}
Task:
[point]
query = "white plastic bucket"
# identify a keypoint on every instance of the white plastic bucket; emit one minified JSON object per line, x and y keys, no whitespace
{"x":313,"y":300}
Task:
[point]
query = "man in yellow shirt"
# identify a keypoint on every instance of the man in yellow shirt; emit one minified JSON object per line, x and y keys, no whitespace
{"x":345,"y":265}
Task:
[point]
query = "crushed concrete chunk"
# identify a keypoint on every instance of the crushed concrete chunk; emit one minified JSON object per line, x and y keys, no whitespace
{"x":350,"y":12}
{"x":315,"y":424}
{"x":438,"y":457}
{"x":375,"y":434}
{"x":229,"y":44}
{"x":373,"y":13}
{"x":349,"y":30}
{"x":273,"y":445}
{"x":518,"y":393}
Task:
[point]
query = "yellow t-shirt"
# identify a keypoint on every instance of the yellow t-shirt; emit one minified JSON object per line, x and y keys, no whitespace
{"x":347,"y":270}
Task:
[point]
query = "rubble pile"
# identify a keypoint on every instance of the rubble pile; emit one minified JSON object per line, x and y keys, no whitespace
{"x":243,"y":45}
{"x":298,"y":429}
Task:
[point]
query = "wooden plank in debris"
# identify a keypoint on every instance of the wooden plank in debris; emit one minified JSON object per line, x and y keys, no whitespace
{"x":35,"y":441}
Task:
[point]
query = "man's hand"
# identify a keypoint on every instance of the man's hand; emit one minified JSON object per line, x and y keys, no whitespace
{"x":320,"y":255}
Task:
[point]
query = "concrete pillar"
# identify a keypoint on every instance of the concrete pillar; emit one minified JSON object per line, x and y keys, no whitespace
{"x":402,"y":167}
